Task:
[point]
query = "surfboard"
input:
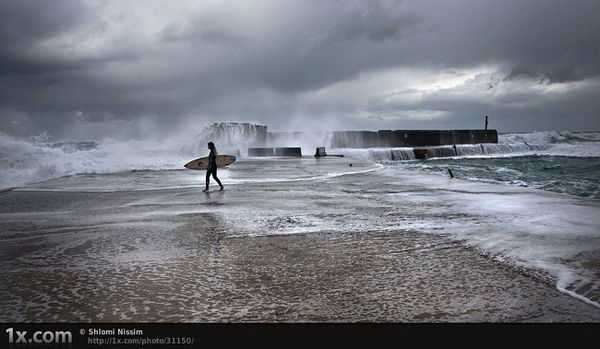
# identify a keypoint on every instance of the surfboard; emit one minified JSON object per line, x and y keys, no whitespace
{"x":202,"y":163}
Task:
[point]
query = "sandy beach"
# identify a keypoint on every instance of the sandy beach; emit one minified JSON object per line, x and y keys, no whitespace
{"x":387,"y":162}
{"x":343,"y":249}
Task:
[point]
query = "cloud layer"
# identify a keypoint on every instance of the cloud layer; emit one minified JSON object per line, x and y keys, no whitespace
{"x":91,"y":69}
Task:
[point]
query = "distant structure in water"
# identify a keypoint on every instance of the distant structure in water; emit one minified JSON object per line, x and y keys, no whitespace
{"x":236,"y":132}
{"x":255,"y":140}
{"x":410,"y":138}
{"x":234,"y":136}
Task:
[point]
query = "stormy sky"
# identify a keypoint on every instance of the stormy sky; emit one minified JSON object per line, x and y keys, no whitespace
{"x":94,"y":69}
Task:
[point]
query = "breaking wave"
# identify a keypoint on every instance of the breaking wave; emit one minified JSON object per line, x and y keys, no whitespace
{"x":39,"y":159}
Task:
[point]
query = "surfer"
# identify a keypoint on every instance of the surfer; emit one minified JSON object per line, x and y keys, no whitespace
{"x":212,"y":166}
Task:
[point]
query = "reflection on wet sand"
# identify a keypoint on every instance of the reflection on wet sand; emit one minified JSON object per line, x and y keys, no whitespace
{"x":345,"y":248}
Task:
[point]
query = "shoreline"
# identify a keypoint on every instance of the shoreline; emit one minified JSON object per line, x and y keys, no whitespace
{"x":337,"y":250}
{"x":304,"y":278}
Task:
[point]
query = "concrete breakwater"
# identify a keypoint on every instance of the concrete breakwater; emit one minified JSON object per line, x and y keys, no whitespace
{"x":412,"y":153}
{"x":410,"y":138}
{"x":233,"y":136}
{"x":275,"y":151}
{"x":414,"y":144}
{"x":405,"y":144}
{"x":404,"y":153}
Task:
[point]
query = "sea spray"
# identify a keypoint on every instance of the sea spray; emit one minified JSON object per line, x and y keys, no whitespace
{"x":39,"y":158}
{"x":28,"y":161}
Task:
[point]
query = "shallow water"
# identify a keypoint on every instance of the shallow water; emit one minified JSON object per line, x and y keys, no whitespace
{"x":561,"y":174}
{"x":320,"y":241}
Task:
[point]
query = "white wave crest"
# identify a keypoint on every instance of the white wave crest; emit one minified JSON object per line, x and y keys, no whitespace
{"x":32,"y":161}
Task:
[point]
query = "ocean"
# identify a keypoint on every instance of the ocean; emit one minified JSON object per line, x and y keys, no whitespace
{"x":530,"y":202}
{"x":557,"y":161}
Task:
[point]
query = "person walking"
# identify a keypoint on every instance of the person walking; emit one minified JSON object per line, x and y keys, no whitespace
{"x":212,"y":167}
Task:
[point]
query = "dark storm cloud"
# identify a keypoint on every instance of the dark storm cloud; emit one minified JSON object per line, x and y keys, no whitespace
{"x":198,"y":30}
{"x":23,"y":24}
{"x":67,"y":65}
{"x":25,"y":21}
{"x":551,"y":38}
{"x":41,"y":84}
{"x":370,"y":20}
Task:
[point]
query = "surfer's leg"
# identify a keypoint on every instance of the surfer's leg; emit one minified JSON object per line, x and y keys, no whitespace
{"x":218,"y":181}
{"x":207,"y":179}
{"x":217,"y":178}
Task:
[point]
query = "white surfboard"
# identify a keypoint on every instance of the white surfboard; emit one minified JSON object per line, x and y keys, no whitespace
{"x":202,"y":163}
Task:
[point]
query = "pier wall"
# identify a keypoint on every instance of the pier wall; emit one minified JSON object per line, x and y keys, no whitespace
{"x":410,"y":138}
{"x":277,"y":151}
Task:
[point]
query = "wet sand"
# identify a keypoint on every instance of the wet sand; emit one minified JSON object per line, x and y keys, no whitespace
{"x":306,"y":251}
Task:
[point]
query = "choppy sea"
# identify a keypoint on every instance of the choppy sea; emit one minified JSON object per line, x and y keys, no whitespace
{"x":557,"y":161}
{"x":538,"y":192}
